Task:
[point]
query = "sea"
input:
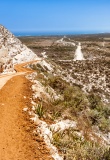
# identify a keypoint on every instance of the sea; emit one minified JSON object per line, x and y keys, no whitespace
{"x":23,"y":34}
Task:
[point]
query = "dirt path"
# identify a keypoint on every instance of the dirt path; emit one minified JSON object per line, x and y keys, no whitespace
{"x":17,"y":141}
{"x":19,"y":68}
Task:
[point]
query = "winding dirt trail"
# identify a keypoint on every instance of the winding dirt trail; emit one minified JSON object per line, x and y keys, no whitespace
{"x":17,"y":141}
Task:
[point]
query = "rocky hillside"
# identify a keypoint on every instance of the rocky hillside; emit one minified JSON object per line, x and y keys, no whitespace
{"x":77,"y":123}
{"x":12,"y":51}
{"x":92,"y":74}
{"x":74,"y":99}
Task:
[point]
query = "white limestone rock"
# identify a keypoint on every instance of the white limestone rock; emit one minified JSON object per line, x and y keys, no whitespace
{"x":12,"y":50}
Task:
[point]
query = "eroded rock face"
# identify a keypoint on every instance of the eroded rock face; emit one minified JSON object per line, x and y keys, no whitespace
{"x":12,"y":51}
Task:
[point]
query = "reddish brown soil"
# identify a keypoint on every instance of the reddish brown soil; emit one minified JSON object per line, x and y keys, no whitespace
{"x":17,"y":141}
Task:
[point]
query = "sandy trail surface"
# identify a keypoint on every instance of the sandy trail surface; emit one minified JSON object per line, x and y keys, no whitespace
{"x":17,"y":141}
{"x":5,"y":78}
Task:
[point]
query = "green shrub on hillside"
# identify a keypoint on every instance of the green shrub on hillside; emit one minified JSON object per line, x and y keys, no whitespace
{"x":39,"y":110}
{"x":99,"y":113}
{"x":57,"y":83}
{"x":73,"y":147}
{"x":73,"y":97}
{"x":95,"y":101}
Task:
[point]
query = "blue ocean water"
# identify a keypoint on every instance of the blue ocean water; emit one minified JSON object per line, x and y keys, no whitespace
{"x":20,"y":34}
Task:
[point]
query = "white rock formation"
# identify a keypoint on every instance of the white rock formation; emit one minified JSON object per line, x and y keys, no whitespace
{"x":65,"y":43}
{"x":12,"y":51}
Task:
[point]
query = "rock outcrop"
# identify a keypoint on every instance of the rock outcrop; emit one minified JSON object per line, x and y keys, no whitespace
{"x":12,"y":51}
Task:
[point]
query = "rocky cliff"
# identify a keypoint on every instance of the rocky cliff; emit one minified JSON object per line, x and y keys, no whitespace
{"x":12,"y":51}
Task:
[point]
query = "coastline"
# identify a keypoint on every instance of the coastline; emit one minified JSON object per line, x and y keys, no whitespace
{"x":54,"y":34}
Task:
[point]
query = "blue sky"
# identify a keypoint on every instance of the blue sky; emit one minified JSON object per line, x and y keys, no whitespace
{"x":55,"y":15}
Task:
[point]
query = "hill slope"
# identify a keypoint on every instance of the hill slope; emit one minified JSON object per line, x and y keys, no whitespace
{"x":12,"y":51}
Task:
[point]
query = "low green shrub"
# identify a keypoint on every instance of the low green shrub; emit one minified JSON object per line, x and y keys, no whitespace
{"x":73,"y":147}
{"x":95,"y":101}
{"x":39,"y":110}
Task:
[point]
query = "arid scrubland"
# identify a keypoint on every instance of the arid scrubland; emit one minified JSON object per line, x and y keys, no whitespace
{"x":77,"y":91}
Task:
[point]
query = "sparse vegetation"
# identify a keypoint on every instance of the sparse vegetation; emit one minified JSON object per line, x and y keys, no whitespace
{"x":77,"y":101}
{"x":99,"y":113}
{"x":72,"y":146}
{"x":83,"y":87}
{"x":39,"y":110}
